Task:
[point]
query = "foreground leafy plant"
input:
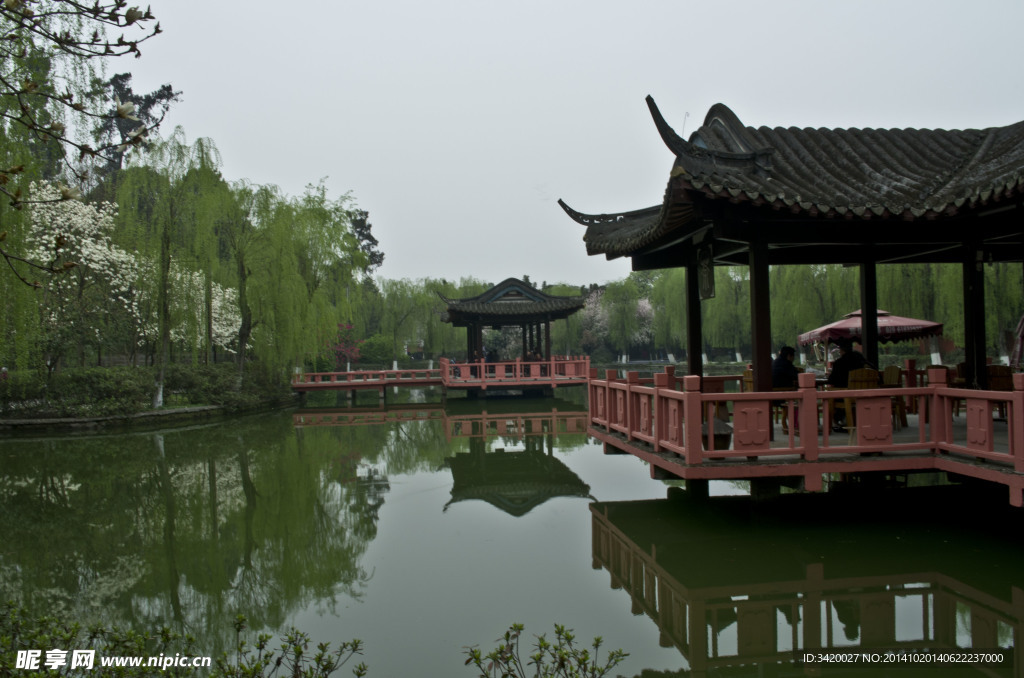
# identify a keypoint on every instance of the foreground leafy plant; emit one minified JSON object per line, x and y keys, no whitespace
{"x":256,"y":661}
{"x":19,"y":631}
{"x":562,"y":659}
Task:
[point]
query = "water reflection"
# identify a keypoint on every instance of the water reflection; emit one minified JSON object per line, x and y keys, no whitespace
{"x":518,"y":474}
{"x":266,"y":516}
{"x":512,"y":481}
{"x":187,"y":527}
{"x":742,"y":589}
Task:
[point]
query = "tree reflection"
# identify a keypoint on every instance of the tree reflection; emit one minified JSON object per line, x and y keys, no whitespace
{"x":188,"y":528}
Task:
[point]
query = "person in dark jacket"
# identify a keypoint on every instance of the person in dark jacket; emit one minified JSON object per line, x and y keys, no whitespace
{"x":848,"y":361}
{"x":784,"y":375}
{"x":784,"y":372}
{"x":839,"y":377}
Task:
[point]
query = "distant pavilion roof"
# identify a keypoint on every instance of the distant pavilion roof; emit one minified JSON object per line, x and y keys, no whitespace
{"x":862,"y":180}
{"x":510,"y":302}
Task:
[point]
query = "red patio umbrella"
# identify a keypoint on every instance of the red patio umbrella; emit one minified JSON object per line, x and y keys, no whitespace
{"x":890,"y":328}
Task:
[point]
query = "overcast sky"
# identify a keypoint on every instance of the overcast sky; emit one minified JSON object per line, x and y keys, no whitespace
{"x":457,"y":124}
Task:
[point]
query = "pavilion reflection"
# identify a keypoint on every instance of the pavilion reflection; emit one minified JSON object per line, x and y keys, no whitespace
{"x":513,"y":481}
{"x":500,"y":451}
{"x":741,"y":594}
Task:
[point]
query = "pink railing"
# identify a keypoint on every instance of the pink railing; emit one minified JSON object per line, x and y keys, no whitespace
{"x":657,"y":412}
{"x":369,"y":377}
{"x":557,"y":370}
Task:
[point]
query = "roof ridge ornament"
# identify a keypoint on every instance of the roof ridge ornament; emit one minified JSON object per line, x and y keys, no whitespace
{"x":695,"y":159}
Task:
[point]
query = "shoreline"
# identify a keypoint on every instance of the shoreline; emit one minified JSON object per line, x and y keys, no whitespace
{"x":137,"y":420}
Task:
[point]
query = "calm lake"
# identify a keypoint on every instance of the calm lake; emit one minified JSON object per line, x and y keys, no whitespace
{"x":424,"y":528}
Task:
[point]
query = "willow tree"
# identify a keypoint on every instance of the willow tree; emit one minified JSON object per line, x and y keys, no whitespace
{"x":620,"y":300}
{"x":567,"y":334}
{"x":404,"y":301}
{"x":439,"y":337}
{"x":329,"y":256}
{"x":799,"y":301}
{"x":293,"y":259}
{"x":726,"y":316}
{"x":668,"y":298}
{"x":1004,"y":304}
{"x":168,"y":216}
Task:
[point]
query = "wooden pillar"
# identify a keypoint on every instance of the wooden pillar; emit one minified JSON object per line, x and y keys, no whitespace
{"x":760,"y":317}
{"x":547,"y":339}
{"x":974,"y":316}
{"x":525,"y":345}
{"x":694,"y":326}
{"x":869,"y":311}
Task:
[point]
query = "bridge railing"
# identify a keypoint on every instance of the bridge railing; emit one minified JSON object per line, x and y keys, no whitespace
{"x":658,"y":412}
{"x":557,"y":370}
{"x":365,"y":376}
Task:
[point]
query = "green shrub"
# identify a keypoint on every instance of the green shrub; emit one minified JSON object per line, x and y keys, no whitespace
{"x":375,"y":351}
{"x":118,"y":391}
{"x":562,"y":659}
{"x":256,"y":659}
{"x":19,"y":631}
{"x":99,"y":391}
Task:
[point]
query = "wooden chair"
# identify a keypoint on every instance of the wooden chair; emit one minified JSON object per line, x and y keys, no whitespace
{"x":1000,"y":378}
{"x":953,"y":381}
{"x":862,"y":378}
{"x":892,"y":377}
{"x":778,"y":409}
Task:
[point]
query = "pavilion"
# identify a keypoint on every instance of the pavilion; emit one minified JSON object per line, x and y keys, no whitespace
{"x":511,"y":303}
{"x":759,"y":197}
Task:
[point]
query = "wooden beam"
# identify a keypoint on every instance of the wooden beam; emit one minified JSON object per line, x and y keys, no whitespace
{"x":694,"y":324}
{"x":974,"y":316}
{"x":760,"y":317}
{"x":869,"y":311}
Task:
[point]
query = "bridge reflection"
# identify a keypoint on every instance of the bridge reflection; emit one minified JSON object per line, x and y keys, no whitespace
{"x":740,"y":593}
{"x":518,"y":421}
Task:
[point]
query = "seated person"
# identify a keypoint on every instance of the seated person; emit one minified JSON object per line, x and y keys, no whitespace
{"x":839,"y":377}
{"x":784,"y":375}
{"x":784,"y":372}
{"x":848,"y":361}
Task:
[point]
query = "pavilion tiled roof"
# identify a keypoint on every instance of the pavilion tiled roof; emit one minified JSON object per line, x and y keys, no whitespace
{"x":512,"y":299}
{"x":843,"y":173}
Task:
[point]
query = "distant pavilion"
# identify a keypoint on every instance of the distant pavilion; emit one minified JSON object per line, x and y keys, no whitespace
{"x":512,"y":303}
{"x":760,"y":197}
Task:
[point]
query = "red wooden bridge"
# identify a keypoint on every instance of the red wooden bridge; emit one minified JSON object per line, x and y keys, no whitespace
{"x":665,"y":421}
{"x":475,"y":376}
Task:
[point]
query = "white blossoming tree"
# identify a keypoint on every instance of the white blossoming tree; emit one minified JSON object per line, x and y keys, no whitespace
{"x":643,"y":334}
{"x":594,"y":322}
{"x":188,"y":310}
{"x":98,"y":279}
{"x":47,"y":52}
